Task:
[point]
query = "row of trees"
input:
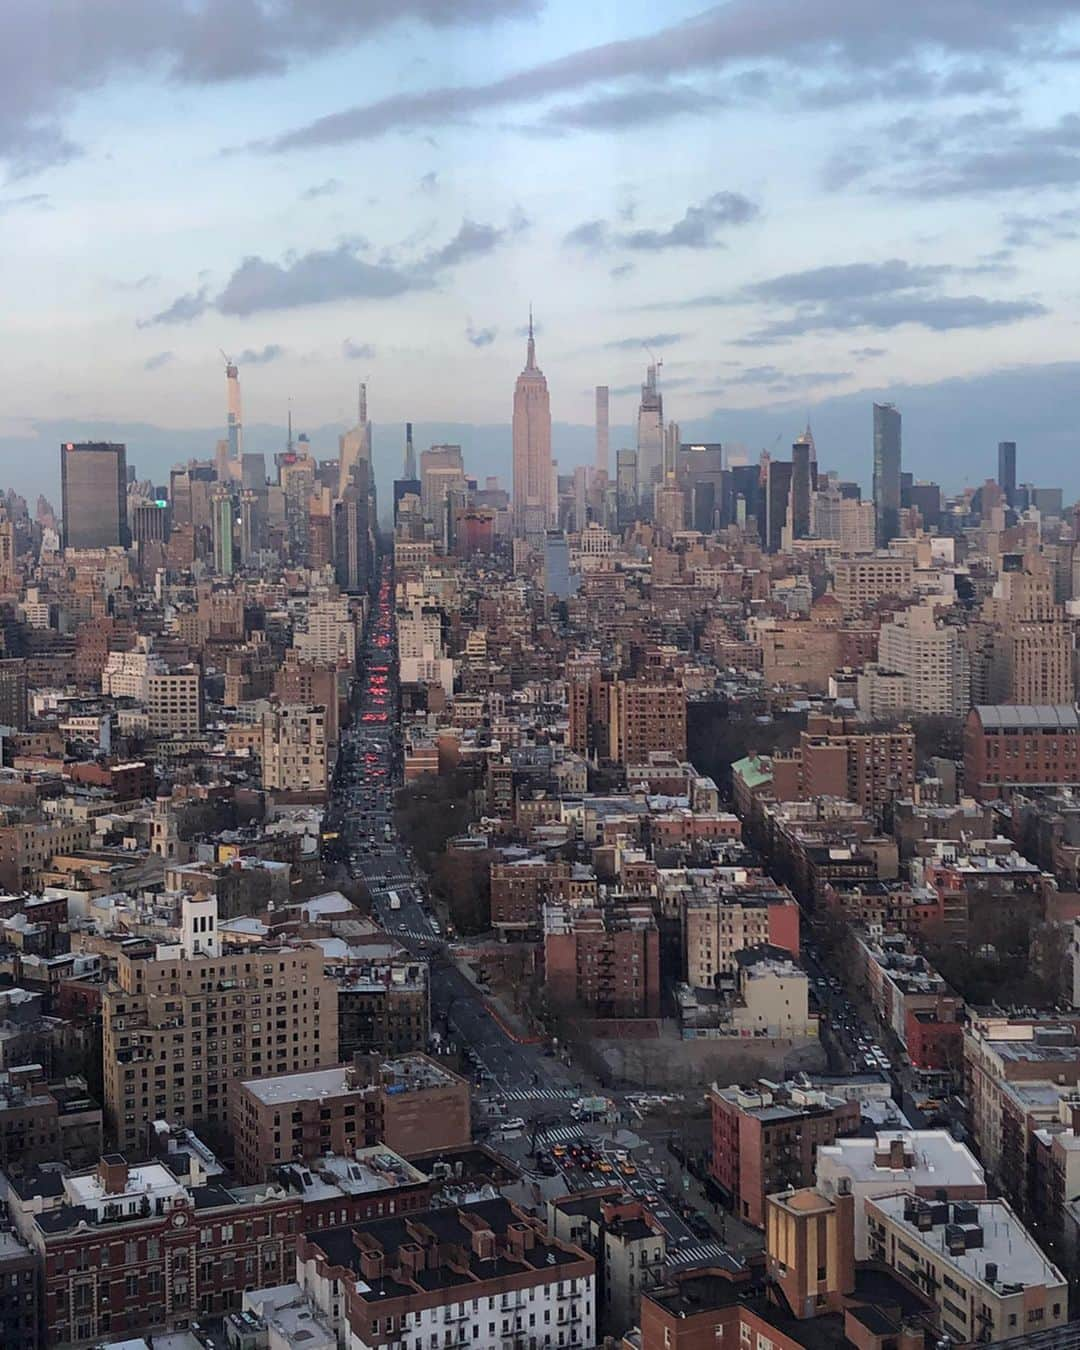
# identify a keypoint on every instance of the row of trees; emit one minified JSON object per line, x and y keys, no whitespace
{"x":429,"y":813}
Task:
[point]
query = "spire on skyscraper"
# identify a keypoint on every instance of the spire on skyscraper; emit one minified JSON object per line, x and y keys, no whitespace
{"x":807,"y":438}
{"x":534,"y":494}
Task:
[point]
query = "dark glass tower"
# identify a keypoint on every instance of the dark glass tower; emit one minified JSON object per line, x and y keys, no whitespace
{"x":886,"y":473}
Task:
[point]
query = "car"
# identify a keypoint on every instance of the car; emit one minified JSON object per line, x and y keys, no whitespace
{"x":558,"y":1151}
{"x":605,"y":1167}
{"x":628,"y":1169}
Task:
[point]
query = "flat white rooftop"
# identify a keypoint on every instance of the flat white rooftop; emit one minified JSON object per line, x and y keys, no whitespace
{"x":937,"y":1159}
{"x":298,"y":1087}
{"x":1006,"y":1244}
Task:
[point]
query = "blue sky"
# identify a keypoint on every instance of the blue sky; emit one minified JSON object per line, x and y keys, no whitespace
{"x":799,"y":205}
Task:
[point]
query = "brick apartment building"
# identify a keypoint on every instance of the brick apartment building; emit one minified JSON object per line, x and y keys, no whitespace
{"x":605,"y":960}
{"x":520,"y":889}
{"x":130,"y":781}
{"x":45,"y":1122}
{"x":484,"y":1274}
{"x":1007,"y":747}
{"x":837,"y":757}
{"x":25,"y":849}
{"x":765,"y":1140}
{"x":130,"y":1250}
{"x":644,"y":717}
{"x":383,"y":1008}
{"x":738,"y":916}
{"x":412,"y":1104}
{"x":125,"y":1251}
{"x":20,"y":1294}
{"x":181,"y":1023}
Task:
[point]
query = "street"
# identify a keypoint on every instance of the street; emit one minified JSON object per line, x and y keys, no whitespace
{"x":519,"y":1085}
{"x":362,"y":809}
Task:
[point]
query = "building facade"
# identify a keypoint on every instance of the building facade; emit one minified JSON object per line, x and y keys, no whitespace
{"x":93,"y":483}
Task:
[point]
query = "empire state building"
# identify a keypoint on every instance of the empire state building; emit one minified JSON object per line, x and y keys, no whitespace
{"x":534,"y":487}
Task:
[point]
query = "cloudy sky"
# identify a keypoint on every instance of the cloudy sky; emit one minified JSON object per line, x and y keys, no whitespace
{"x":798,"y":204}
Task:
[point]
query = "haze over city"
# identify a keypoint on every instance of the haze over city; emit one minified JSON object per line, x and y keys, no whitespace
{"x":799,"y":208}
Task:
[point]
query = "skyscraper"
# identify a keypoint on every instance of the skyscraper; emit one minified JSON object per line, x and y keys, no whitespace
{"x":602,"y":442}
{"x":93,"y":479}
{"x":534,"y":499}
{"x":802,"y":485}
{"x":626,"y":486}
{"x":746,"y":487}
{"x":886,"y":472}
{"x":581,"y":498}
{"x":777,"y":497}
{"x":699,"y":471}
{"x":235,"y":422}
{"x":1006,"y":474}
{"x":252,"y":512}
{"x":671,"y":447}
{"x":352,"y":559}
{"x":650,"y":438}
{"x":8,"y":570}
{"x":441,"y":468}
{"x":221,"y":508}
{"x":355,"y":445}
{"x":556,"y":565}
{"x":409,"y":472}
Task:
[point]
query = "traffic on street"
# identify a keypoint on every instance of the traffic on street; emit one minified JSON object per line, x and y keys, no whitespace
{"x":368,"y":776}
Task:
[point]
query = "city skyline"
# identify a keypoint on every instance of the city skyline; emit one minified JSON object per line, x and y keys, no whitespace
{"x":848,"y":440}
{"x":375,"y":241}
{"x":539,"y":675}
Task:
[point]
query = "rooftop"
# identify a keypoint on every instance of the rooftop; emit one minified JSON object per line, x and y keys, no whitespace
{"x":935,"y":1159}
{"x":1005,"y":1242}
{"x":300,"y":1087}
{"x":444,"y":1241}
{"x":1029,"y":717}
{"x":371,"y":1169}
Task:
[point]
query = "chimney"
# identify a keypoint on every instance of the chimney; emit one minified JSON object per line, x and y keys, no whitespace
{"x":113,"y":1173}
{"x":521,"y":1238}
{"x":912,"y":1337}
{"x":413,"y":1259}
{"x":483,"y":1244}
{"x":896,"y":1154}
{"x":372,"y":1264}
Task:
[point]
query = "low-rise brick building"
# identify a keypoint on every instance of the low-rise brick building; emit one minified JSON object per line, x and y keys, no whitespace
{"x":605,"y":960}
{"x":1008,"y":746}
{"x":411,"y":1103}
{"x":766,"y":1140}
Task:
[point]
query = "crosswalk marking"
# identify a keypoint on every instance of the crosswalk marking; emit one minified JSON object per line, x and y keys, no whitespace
{"x":412,"y":933}
{"x":703,"y":1252}
{"x":539,"y":1094}
{"x":563,"y":1134}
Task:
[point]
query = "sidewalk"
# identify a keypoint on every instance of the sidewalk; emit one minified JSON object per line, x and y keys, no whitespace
{"x":740,"y":1239}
